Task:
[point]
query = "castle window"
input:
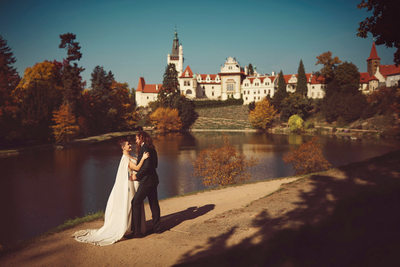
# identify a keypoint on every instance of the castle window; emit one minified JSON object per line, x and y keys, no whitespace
{"x":212,"y":93}
{"x":229,"y":87}
{"x":246,"y":98}
{"x":265,"y":91}
{"x":187,"y":74}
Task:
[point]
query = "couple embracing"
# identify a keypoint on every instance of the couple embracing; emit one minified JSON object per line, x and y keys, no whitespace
{"x":136,"y":179}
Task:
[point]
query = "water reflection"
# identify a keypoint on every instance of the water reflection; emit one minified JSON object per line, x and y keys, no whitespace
{"x":41,"y":189}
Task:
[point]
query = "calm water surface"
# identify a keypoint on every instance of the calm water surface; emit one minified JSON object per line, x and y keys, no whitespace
{"x":42,"y":189}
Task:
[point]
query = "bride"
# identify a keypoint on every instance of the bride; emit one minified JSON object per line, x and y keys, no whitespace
{"x":117,"y":218}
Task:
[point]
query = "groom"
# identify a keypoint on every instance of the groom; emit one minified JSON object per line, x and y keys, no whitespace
{"x":148,"y":182}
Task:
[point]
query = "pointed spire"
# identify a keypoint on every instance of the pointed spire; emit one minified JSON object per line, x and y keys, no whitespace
{"x":175,"y":45}
{"x":373,"y":54}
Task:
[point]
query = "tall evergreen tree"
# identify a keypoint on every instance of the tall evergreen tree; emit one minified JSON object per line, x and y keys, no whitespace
{"x":281,"y":93}
{"x":71,"y":74}
{"x":9,"y":79}
{"x":170,"y":87}
{"x":101,"y":115}
{"x":301,"y":88}
{"x":251,"y":69}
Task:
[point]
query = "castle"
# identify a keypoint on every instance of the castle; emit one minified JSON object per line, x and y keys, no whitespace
{"x":233,"y":81}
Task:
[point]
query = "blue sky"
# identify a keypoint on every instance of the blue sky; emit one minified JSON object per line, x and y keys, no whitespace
{"x":133,"y":38}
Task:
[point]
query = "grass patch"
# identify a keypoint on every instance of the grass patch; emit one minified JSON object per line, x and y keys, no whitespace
{"x":73,"y":222}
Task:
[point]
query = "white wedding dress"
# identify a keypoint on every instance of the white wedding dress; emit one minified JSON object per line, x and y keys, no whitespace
{"x":117,"y":217}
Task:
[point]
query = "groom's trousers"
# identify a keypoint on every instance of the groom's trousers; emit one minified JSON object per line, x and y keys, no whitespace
{"x":149,"y":191}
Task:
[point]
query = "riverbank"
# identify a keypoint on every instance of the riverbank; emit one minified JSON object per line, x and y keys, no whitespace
{"x":87,"y":140}
{"x":344,"y":216}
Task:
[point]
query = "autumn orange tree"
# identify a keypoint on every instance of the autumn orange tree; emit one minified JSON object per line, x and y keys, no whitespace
{"x":222,"y":165}
{"x":307,"y":158}
{"x":262,"y":115}
{"x":166,"y":120}
{"x":65,"y":127}
{"x":38,"y":94}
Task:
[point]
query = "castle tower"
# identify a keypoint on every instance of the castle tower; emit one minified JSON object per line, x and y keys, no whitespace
{"x":176,"y":56}
{"x":373,"y":61}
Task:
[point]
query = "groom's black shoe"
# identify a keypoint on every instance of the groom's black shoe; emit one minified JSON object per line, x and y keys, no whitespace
{"x":133,"y":235}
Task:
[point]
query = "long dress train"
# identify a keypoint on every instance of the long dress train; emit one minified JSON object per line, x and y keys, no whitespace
{"x":117,"y":217}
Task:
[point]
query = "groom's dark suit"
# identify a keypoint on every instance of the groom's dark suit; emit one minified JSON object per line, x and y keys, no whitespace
{"x":148,"y":181}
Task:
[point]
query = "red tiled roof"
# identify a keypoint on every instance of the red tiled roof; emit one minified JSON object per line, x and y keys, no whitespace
{"x":317,"y":80}
{"x":365,"y":78}
{"x":387,"y":70}
{"x":148,"y":88}
{"x":373,"y":54}
{"x":184,"y":73}
{"x":212,"y":76}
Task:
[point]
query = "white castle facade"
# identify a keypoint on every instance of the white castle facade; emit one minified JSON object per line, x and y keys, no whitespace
{"x":234,"y":81}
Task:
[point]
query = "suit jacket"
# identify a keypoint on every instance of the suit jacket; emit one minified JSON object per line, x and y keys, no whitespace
{"x":147,"y":174}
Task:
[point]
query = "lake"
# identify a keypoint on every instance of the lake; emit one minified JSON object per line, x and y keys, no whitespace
{"x":43,"y":188}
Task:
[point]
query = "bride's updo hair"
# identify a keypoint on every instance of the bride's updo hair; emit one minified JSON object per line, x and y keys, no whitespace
{"x":144,"y":138}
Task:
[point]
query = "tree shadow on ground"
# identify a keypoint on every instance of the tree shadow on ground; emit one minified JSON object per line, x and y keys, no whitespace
{"x":174,"y":219}
{"x":345,"y":217}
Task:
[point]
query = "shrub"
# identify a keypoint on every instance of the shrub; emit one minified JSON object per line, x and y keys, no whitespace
{"x":296,"y":123}
{"x":65,"y":127}
{"x":222,"y":166}
{"x":307,"y":158}
{"x":166,"y":120}
{"x":262,"y":115}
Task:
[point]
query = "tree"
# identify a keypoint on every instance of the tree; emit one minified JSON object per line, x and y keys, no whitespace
{"x":71,"y":73}
{"x":166,"y":120}
{"x":307,"y":158}
{"x":169,"y":97}
{"x":38,"y":94}
{"x":187,"y":112}
{"x":301,"y":80}
{"x":296,"y":123}
{"x":295,"y":104}
{"x":222,"y":166}
{"x":382,"y":23}
{"x":9,"y":79}
{"x":329,"y":65}
{"x":65,"y":127}
{"x":342,"y":98}
{"x":281,"y":93}
{"x":170,"y":88}
{"x":251,"y":70}
{"x":263,"y":114}
{"x":101,"y":116}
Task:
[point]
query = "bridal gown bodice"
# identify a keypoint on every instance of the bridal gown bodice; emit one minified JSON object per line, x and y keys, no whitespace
{"x":117,"y":217}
